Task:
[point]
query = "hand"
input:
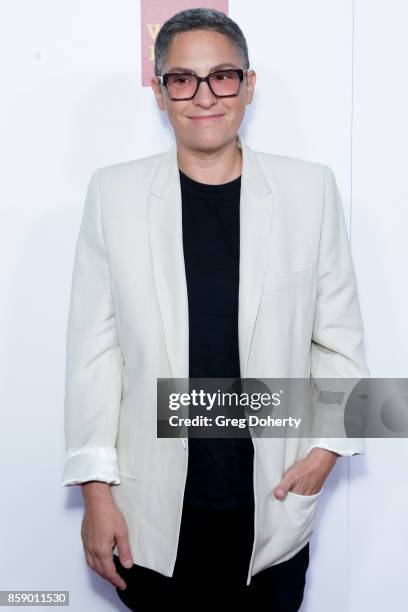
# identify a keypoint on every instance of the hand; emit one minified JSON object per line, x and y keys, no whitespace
{"x":102,"y":525}
{"x":307,"y":476}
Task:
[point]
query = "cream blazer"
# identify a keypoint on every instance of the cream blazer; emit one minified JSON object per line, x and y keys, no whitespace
{"x":298,"y":317}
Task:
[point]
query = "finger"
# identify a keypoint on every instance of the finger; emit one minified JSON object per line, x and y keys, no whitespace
{"x":97,"y":567}
{"x":97,"y":558}
{"x":286,"y":484}
{"x":280,"y":491}
{"x":109,"y":571}
{"x":89,"y":560}
{"x":125,"y":554}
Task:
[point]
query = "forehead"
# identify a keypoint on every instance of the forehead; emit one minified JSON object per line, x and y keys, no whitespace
{"x":201,"y":51}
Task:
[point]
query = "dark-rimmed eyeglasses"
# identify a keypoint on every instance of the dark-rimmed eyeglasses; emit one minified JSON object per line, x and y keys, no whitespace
{"x":184,"y":85}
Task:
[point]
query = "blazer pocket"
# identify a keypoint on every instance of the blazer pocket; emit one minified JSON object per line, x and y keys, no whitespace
{"x":307,"y":498}
{"x":280,"y":282}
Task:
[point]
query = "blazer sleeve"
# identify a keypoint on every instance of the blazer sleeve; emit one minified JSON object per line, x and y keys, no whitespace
{"x":93,"y":356}
{"x":337,"y":339}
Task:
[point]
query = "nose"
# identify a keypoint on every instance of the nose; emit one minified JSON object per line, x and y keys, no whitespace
{"x":204,"y":96}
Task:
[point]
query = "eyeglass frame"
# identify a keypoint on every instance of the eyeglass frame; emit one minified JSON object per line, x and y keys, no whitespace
{"x":163,"y":78}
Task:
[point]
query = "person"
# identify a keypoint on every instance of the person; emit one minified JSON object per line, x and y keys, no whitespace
{"x":209,"y":260}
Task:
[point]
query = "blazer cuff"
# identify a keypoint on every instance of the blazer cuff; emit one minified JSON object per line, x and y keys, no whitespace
{"x":91,"y":463}
{"x":345,"y":447}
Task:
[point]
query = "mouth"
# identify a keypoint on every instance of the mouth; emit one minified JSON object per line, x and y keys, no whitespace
{"x":204,"y":119}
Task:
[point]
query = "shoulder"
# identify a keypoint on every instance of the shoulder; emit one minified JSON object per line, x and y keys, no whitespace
{"x":301,"y":184}
{"x":289,"y":169}
{"x":119,"y":172}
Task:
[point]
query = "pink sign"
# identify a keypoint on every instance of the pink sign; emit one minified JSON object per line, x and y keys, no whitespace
{"x":153,"y":14}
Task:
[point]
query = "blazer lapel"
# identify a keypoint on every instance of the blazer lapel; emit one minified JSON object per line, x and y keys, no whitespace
{"x":257,"y":203}
{"x":166,"y":239}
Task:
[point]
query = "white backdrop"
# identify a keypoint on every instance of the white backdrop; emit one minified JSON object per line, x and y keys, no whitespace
{"x":331,"y":87}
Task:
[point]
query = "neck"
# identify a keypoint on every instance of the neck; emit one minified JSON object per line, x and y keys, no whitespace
{"x":211,"y":167}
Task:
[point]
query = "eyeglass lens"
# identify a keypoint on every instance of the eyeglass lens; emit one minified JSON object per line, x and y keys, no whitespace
{"x":223,"y":83}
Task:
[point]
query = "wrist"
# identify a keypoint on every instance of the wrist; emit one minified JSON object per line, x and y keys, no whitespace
{"x":94,"y":490}
{"x":323,"y":456}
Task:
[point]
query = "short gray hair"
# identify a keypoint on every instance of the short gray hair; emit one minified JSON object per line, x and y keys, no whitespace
{"x":198,"y":19}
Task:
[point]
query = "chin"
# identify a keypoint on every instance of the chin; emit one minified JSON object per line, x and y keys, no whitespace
{"x":207,"y":142}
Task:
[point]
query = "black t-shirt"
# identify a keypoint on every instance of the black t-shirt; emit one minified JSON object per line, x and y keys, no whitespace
{"x":220,"y":470}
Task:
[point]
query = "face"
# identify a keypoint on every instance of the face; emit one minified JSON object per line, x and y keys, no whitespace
{"x":201,"y":51}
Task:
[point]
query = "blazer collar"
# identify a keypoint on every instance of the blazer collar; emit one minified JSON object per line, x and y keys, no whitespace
{"x":253,"y":177}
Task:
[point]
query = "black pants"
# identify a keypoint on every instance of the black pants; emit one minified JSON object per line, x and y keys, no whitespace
{"x":212,"y":565}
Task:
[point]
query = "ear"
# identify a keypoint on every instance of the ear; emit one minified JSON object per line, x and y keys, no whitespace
{"x":158,"y":93}
{"x":250,"y":86}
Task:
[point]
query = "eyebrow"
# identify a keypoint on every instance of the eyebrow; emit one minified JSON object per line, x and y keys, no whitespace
{"x":219,"y":66}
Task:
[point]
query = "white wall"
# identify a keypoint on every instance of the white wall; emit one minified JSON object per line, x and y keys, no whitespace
{"x":379,"y":501}
{"x":331,"y":88}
